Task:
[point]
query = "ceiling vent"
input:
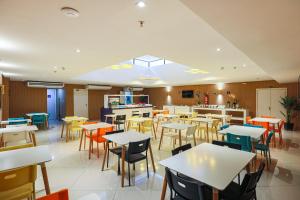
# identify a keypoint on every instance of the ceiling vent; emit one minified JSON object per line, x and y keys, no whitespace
{"x":42,"y":84}
{"x":98,"y":87}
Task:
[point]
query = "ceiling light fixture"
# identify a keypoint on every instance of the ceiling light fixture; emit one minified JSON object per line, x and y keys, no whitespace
{"x":219,"y":49}
{"x":70,"y":12}
{"x":197,"y":71}
{"x":244,"y":65}
{"x":77,"y":50}
{"x":141,"y":4}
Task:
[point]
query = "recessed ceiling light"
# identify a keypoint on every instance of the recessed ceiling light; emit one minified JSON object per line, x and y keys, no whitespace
{"x":244,"y":65}
{"x":219,"y":49}
{"x":244,"y":83}
{"x":54,"y":67}
{"x":77,"y":50}
{"x":141,"y":4}
{"x":70,"y":12}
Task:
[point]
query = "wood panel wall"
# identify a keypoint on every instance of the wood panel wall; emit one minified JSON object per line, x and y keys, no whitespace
{"x":245,"y":93}
{"x":23,"y":99}
{"x":5,"y":98}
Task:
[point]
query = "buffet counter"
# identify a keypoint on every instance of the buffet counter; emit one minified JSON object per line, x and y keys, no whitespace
{"x":129,"y":110}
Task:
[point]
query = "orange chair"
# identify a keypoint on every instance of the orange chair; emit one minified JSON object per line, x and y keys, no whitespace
{"x":85,"y":134}
{"x":60,"y":195}
{"x":99,"y":139}
{"x":279,"y":131}
{"x":248,"y":120}
{"x":266,"y":125}
{"x":166,"y":112}
{"x":266,"y":116}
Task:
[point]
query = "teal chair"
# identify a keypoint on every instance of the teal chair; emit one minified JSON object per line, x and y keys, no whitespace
{"x":264,"y":148}
{"x":11,"y":121}
{"x":253,"y":126}
{"x":38,"y":120}
{"x":224,"y":126}
{"x":244,"y":141}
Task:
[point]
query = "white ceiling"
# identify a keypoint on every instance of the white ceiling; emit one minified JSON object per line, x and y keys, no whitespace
{"x":35,"y":37}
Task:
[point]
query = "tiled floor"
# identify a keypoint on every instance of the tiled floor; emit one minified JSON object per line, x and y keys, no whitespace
{"x":72,"y":169}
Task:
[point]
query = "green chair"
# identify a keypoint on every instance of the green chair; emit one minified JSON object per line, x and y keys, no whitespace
{"x":39,"y":120}
{"x":264,"y":148}
{"x":244,"y":141}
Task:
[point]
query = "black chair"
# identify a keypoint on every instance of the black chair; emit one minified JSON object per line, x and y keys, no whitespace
{"x":120,"y":119}
{"x":181,"y":149}
{"x":135,"y":153}
{"x":135,"y":113}
{"x":246,"y":191}
{"x":146,"y":114}
{"x":229,"y":145}
{"x":182,"y":189}
{"x":115,"y":150}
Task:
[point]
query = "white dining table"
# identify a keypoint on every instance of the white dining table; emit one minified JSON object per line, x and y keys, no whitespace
{"x":22,"y":128}
{"x":6,"y":122}
{"x":176,"y":126}
{"x":210,"y":164}
{"x":124,"y":139}
{"x":138,"y":120}
{"x":270,"y":120}
{"x":253,"y":132}
{"x":90,"y":128}
{"x":37,"y":155}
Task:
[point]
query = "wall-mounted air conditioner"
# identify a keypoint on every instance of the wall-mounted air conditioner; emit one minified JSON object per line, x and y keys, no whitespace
{"x":98,"y":87}
{"x":137,"y":89}
{"x":42,"y":84}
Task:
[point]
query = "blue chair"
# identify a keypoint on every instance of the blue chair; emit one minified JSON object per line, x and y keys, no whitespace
{"x":39,"y":120}
{"x":11,"y":121}
{"x":264,"y":148}
{"x":253,"y":126}
{"x":244,"y":141}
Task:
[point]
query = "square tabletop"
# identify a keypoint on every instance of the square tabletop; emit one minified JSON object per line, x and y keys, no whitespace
{"x":253,"y":132}
{"x":126,"y":137}
{"x":91,"y":127}
{"x":167,"y":115}
{"x":139,"y":119}
{"x":176,"y":126}
{"x":270,"y":120}
{"x":201,"y":119}
{"x":16,"y":121}
{"x":31,"y":114}
{"x":17,"y":129}
{"x":24,"y":157}
{"x":75,"y":118}
{"x":213,"y":165}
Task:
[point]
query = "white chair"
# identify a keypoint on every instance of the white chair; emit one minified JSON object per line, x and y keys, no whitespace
{"x":189,"y":135}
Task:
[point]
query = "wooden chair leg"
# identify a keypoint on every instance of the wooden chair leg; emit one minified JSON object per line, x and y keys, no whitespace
{"x":97,"y":149}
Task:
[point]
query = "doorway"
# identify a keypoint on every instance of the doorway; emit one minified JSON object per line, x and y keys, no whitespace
{"x":81,"y":103}
{"x":56,"y":103}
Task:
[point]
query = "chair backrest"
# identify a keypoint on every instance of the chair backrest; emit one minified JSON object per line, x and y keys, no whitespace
{"x":60,"y":195}
{"x":224,"y":126}
{"x":77,"y":123}
{"x":38,"y":119}
{"x":17,"y":177}
{"x":194,"y":114}
{"x":181,"y":149}
{"x":268,"y":140}
{"x":266,"y":125}
{"x":215,"y":123}
{"x":252,"y":125}
{"x":148,"y":123}
{"x":249,"y":183}
{"x":186,"y":189}
{"x":103,"y":131}
{"x":16,"y":147}
{"x":191,"y":130}
{"x":138,"y":147}
{"x":248,"y":119}
{"x":146,"y":114}
{"x":228,"y":118}
{"x":120,"y":117}
{"x":244,"y":141}
{"x":227,"y":144}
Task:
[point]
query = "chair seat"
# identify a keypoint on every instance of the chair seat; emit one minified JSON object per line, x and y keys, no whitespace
{"x":261,"y":147}
{"x":116,"y":151}
{"x":119,"y":122}
{"x":135,"y":157}
{"x":21,"y":192}
{"x":232,"y":191}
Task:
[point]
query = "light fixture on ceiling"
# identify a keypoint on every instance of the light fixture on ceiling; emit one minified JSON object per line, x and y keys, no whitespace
{"x":141,"y":4}
{"x":122,"y":66}
{"x":244,"y":65}
{"x":219,"y":49}
{"x":70,"y":12}
{"x":77,"y":50}
{"x":197,"y":71}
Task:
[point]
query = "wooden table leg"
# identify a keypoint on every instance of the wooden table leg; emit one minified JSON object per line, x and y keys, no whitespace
{"x":207,"y":135}
{"x":105,"y":155}
{"x":90,"y":145}
{"x":33,"y":138}
{"x":157,"y":124}
{"x":154,"y":131}
{"x":81,"y":137}
{"x":123,"y":165}
{"x":45,"y":178}
{"x":161,"y":137}
{"x":180,"y":138}
{"x":67,"y":132}
{"x":152,"y":160}
{"x":215,"y":194}
{"x":62,"y":129}
{"x":164,"y":189}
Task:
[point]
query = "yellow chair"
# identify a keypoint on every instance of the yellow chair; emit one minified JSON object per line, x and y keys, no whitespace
{"x":18,"y":183}
{"x":148,"y":125}
{"x":74,"y":127}
{"x":133,"y":125}
{"x":214,"y":128}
